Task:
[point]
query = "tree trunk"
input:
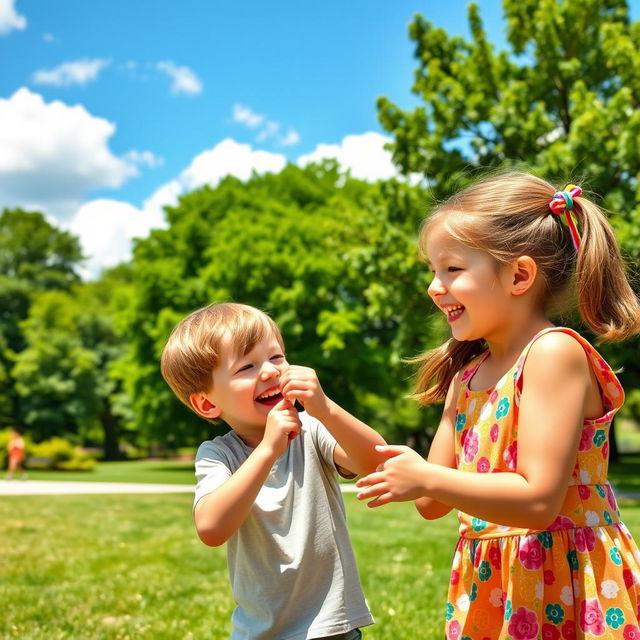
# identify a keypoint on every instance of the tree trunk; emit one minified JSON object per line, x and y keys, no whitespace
{"x":111,"y":429}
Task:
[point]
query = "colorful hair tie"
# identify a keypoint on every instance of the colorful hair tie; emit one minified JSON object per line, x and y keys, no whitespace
{"x":562,"y":203}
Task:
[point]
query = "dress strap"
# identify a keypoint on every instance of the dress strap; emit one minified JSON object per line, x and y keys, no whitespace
{"x":612,"y":391}
{"x":469,"y":371}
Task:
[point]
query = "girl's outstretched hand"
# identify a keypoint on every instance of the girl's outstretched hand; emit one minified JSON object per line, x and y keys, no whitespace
{"x":399,"y":478}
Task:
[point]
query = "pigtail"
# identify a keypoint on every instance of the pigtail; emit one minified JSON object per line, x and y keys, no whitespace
{"x":606,"y":300}
{"x":438,"y":367}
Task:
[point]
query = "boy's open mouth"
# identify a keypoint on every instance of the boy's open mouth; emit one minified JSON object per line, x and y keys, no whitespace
{"x":270,"y":397}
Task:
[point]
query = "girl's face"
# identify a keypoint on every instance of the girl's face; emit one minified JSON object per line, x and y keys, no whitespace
{"x":469,"y":286}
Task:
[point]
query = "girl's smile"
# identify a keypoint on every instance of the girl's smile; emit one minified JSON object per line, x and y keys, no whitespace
{"x":469,"y":287}
{"x":453,"y":312}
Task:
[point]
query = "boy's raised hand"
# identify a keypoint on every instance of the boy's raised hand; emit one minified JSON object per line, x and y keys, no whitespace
{"x":302,"y":384}
{"x":283,"y":425}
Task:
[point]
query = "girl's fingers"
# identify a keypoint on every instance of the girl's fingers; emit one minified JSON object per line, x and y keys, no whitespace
{"x":385,"y":498}
{"x":391,"y":450}
{"x":371,"y":479}
{"x":372,"y":492}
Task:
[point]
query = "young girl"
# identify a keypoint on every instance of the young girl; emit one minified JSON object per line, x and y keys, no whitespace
{"x":522,"y":447}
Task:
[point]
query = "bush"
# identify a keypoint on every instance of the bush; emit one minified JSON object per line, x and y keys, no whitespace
{"x":58,"y":453}
{"x":78,"y":464}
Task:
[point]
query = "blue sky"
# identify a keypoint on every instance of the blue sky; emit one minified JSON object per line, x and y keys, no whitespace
{"x":111,"y":109}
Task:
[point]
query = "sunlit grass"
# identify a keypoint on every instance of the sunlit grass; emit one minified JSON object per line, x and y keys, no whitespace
{"x":154,"y":471}
{"x":123,"y":566}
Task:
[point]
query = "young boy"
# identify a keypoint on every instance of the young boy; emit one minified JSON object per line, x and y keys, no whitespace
{"x":268,"y":487}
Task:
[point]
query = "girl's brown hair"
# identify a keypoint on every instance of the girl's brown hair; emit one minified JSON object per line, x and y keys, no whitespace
{"x":508,"y":216}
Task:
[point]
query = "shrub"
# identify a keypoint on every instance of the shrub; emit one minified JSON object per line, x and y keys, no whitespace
{"x":58,"y":453}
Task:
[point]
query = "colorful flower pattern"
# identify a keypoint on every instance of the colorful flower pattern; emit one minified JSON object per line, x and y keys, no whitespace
{"x":578,"y":579}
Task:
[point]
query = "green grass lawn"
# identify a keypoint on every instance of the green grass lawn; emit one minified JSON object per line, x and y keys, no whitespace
{"x":154,"y":471}
{"x":130,"y":567}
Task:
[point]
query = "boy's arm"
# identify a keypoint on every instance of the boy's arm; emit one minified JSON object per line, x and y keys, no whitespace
{"x":355,"y":449}
{"x":219,"y":514}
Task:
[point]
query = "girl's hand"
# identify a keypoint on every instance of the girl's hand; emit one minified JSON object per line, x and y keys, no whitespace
{"x":302,"y":384}
{"x":399,"y":478}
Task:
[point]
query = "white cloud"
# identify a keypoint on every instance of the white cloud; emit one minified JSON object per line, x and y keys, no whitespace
{"x":9,"y":18}
{"x":292,"y":138}
{"x":363,"y":155}
{"x":76,"y":72}
{"x":229,"y":158}
{"x":184,"y":80}
{"x":247,"y":116}
{"x":106,"y":229}
{"x":209,"y":167}
{"x":52,"y":154}
{"x":269,"y":129}
{"x":143,"y":159}
{"x":49,"y":38}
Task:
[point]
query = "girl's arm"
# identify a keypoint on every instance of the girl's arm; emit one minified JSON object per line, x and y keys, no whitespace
{"x":442,"y":452}
{"x":557,"y":387}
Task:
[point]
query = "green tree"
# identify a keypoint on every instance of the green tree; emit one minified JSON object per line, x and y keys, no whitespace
{"x":62,"y":376}
{"x":331,"y":258}
{"x":563,"y":100}
{"x":34,"y":257}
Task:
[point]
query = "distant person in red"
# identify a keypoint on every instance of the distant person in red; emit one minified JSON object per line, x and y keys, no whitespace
{"x":16,"y":454}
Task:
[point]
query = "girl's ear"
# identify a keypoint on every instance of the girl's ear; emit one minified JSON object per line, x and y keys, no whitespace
{"x":524,"y":272}
{"x":203,"y":406}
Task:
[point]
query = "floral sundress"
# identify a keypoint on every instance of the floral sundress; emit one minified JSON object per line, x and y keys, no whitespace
{"x":579,"y":578}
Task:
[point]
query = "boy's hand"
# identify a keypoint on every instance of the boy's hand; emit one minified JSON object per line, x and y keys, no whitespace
{"x":302,"y":384}
{"x":282,"y":425}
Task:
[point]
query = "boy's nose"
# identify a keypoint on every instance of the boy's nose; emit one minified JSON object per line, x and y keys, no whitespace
{"x":269,"y":370}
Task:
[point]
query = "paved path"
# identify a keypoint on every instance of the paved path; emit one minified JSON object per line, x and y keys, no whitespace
{"x":48,"y":488}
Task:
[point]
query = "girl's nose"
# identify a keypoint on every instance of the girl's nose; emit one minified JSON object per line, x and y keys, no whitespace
{"x":436,"y":288}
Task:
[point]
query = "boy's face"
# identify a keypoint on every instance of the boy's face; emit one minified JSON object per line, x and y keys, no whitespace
{"x":245,"y":387}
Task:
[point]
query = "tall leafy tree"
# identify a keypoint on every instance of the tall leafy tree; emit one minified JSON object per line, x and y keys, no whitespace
{"x":331,"y":258}
{"x":563,"y":99}
{"x":34,"y":257}
{"x":62,"y":376}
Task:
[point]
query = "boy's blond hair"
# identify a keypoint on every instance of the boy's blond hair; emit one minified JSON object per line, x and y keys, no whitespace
{"x":193,"y":350}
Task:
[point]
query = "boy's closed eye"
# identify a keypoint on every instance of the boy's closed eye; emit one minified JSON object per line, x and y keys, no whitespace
{"x":244,"y":367}
{"x":277,"y":358}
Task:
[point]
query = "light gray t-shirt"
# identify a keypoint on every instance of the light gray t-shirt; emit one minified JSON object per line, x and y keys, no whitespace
{"x":291,"y":564}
